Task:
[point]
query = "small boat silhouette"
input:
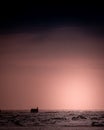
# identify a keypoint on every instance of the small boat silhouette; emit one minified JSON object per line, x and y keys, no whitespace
{"x":34,"y":110}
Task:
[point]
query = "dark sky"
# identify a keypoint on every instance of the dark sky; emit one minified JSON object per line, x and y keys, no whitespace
{"x":49,"y":55}
{"x":35,"y":15}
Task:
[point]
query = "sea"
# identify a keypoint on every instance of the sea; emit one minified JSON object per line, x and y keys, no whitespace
{"x":57,"y":119}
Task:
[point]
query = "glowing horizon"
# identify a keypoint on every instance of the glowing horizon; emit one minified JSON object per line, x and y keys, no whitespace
{"x":52,"y":70}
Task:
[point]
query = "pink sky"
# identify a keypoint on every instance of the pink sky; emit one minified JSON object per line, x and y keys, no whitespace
{"x":59,"y":69}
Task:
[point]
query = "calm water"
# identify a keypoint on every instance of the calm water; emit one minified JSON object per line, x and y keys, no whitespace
{"x":51,"y":118}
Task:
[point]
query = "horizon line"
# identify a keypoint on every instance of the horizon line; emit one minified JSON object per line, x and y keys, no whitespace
{"x":52,"y":109}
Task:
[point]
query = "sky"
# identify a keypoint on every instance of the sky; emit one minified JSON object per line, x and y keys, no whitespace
{"x":52,"y":61}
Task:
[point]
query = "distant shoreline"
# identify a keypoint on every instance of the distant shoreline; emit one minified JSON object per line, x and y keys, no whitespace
{"x":51,"y":110}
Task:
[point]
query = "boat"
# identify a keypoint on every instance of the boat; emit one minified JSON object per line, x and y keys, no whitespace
{"x":34,"y":110}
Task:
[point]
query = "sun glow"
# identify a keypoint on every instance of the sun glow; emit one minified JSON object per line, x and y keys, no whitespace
{"x":81,"y":93}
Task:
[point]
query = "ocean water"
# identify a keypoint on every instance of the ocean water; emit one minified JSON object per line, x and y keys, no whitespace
{"x":52,"y":118}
